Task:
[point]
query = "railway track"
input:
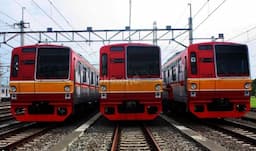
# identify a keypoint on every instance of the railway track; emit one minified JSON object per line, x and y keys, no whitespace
{"x":241,"y":131}
{"x":250,"y":116}
{"x":134,"y":138}
{"x":11,"y":139}
{"x":5,"y":113}
{"x":230,"y":134}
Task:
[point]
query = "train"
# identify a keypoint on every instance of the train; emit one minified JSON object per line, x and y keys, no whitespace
{"x":4,"y":93}
{"x":209,"y":80}
{"x":130,"y":84}
{"x":49,"y":83}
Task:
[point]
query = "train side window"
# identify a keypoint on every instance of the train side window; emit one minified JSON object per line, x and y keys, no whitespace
{"x":78,"y":74}
{"x":97,"y":80}
{"x":174,"y":73}
{"x":104,"y":65}
{"x":180,"y":70}
{"x":84,"y":75}
{"x":15,"y":65}
{"x":170,"y":75}
{"x":164,"y":74}
{"x":179,"y":66}
{"x":92,"y":78}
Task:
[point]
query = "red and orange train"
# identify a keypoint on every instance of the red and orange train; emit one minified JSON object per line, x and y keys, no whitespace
{"x":210,"y":80}
{"x":130,"y":81}
{"x":50,"y":82}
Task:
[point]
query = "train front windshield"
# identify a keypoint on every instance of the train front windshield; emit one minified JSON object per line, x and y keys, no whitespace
{"x":232,"y":60}
{"x":143,"y":61}
{"x":52,"y":63}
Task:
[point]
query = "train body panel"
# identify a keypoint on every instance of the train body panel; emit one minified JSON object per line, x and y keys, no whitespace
{"x":122,"y":95}
{"x":210,"y":80}
{"x":48,"y":82}
{"x":129,"y":89}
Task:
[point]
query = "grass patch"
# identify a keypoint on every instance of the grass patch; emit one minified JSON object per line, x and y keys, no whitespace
{"x":253,"y":102}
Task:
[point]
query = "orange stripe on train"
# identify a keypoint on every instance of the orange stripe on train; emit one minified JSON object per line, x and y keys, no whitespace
{"x":218,"y":84}
{"x":131,"y":85}
{"x":41,"y":86}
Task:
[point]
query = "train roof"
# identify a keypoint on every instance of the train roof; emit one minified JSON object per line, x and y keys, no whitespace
{"x":216,"y":43}
{"x":42,"y":45}
{"x":129,"y":44}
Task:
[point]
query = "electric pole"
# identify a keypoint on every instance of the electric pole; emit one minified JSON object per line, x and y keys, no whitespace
{"x":154,"y":33}
{"x":21,"y":25}
{"x":130,"y":18}
{"x":190,"y":24}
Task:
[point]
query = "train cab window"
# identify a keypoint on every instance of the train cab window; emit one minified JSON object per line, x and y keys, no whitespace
{"x":117,"y":48}
{"x":28,"y":62}
{"x":15,"y":65}
{"x":193,"y":63}
{"x":29,"y":50}
{"x":206,"y":60}
{"x":104,"y":65}
{"x":53,"y":63}
{"x":205,"y":47}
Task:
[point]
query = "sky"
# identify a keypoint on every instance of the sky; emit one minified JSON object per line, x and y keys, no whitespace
{"x":236,"y":19}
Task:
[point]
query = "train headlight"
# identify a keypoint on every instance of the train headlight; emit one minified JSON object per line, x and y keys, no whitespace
{"x":247,"y":85}
{"x":67,"y":88}
{"x":103,"y":88}
{"x":157,"y":87}
{"x":13,"y":89}
{"x":193,"y":86}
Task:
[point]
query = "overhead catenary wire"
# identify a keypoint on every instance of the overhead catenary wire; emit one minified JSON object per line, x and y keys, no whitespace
{"x":6,"y":24}
{"x":209,"y":15}
{"x":66,"y":20}
{"x":53,"y":20}
{"x":242,"y":33}
{"x":200,"y":9}
{"x":60,"y":13}
{"x":8,"y":16}
{"x":36,"y":19}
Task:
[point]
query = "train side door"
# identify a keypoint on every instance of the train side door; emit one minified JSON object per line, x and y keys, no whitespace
{"x":117,"y":63}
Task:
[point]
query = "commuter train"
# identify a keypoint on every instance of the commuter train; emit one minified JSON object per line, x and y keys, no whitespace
{"x":4,"y":93}
{"x":49,"y":83}
{"x":209,"y":80}
{"x":130,"y":81}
